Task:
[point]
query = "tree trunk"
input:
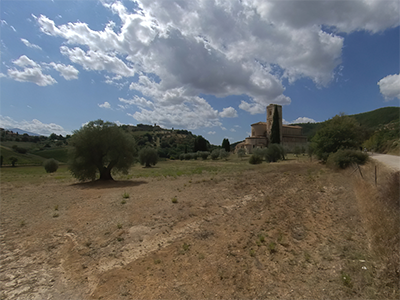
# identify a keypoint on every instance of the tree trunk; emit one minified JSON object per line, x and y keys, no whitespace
{"x":105,"y":174}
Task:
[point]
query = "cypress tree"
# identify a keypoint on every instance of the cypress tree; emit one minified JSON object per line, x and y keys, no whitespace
{"x":275,"y":130}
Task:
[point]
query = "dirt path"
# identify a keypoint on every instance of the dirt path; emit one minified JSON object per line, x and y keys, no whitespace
{"x":392,"y":161}
{"x":283,"y":231}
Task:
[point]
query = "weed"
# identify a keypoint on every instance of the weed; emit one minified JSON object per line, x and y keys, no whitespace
{"x":252,"y":253}
{"x":55,"y":215}
{"x":272,"y":247}
{"x":346,"y":279}
{"x":201,"y":256}
{"x":174,"y":200}
{"x":261,"y":238}
{"x":22,"y":223}
{"x":125,"y":195}
{"x":119,"y":225}
{"x":157,"y":261}
{"x":185,"y":247}
{"x":123,"y":201}
{"x":56,"y":207}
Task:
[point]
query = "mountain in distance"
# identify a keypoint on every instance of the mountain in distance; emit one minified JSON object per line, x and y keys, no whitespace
{"x":20,"y":131}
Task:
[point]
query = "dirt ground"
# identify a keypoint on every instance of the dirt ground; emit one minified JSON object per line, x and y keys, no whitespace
{"x":289,"y":230}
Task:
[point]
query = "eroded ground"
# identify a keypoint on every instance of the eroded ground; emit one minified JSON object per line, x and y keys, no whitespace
{"x":291,"y":230}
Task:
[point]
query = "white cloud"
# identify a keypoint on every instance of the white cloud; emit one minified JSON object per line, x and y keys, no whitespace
{"x":303,"y":120}
{"x":105,"y":105}
{"x":211,"y":132}
{"x":389,"y":87}
{"x":233,"y":130}
{"x":68,"y":72}
{"x":32,"y":72}
{"x":24,"y":61}
{"x":28,"y":44}
{"x":228,"y":112}
{"x":34,"y":126}
{"x":184,"y":49}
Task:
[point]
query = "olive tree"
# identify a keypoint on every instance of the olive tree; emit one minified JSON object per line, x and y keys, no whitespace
{"x":148,"y":157}
{"x":99,"y":147}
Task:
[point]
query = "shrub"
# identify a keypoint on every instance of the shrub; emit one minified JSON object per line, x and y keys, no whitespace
{"x":50,"y":165}
{"x":19,"y":149}
{"x":203,"y":154}
{"x":223,"y":154}
{"x":182,"y":156}
{"x":215,"y":154}
{"x":188,"y":156}
{"x":274,"y":153}
{"x":344,"y":158}
{"x":241,"y":153}
{"x":148,"y":157}
{"x":255,"y":159}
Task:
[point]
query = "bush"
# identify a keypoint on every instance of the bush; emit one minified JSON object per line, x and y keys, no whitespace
{"x":255,"y":159}
{"x":241,"y":153}
{"x":274,"y":153}
{"x":19,"y":149}
{"x":148,"y":157}
{"x":203,"y":154}
{"x":188,"y":156}
{"x":223,"y":154}
{"x":182,"y":156}
{"x":50,"y":165}
{"x":215,"y":154}
{"x":344,"y":158}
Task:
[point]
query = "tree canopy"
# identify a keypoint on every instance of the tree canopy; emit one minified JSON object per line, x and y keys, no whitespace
{"x":340,"y":132}
{"x":99,"y":147}
{"x":226,"y":145}
{"x":200,"y":144}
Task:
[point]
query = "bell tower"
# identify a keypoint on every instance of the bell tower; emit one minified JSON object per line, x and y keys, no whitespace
{"x":270,"y":119}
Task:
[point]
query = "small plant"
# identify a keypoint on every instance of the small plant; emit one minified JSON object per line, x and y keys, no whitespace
{"x":185,"y":247}
{"x":56,"y":207}
{"x":123,"y":201}
{"x":50,"y":165}
{"x":272,"y":247}
{"x":157,"y":261}
{"x":201,"y":256}
{"x":252,"y":253}
{"x":261,"y":238}
{"x":55,"y":215}
{"x":125,"y":195}
{"x":119,"y":225}
{"x":22,"y":223}
{"x":346,"y":279}
{"x":255,"y":159}
{"x":174,"y":200}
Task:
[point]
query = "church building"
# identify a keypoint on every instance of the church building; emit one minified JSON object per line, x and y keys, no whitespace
{"x":261,"y":132}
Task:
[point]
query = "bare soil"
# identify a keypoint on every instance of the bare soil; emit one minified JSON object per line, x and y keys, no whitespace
{"x":289,"y":230}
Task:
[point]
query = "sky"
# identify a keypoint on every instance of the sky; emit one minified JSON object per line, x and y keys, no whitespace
{"x":210,"y":67}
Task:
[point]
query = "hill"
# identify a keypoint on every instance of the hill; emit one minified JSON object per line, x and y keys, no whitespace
{"x":20,"y":131}
{"x":371,"y":120}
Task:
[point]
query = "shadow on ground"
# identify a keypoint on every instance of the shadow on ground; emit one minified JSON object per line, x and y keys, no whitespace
{"x":107,"y":184}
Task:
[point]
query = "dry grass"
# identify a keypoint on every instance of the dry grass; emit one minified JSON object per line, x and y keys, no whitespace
{"x":380,"y":211}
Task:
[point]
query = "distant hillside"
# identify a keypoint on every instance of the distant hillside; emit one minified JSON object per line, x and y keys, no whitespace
{"x":20,"y":131}
{"x":369,"y":120}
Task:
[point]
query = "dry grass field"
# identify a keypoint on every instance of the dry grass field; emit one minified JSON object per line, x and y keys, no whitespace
{"x":201,"y":230}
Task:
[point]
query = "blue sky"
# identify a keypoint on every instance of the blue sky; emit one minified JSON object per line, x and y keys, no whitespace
{"x":206,"y":66}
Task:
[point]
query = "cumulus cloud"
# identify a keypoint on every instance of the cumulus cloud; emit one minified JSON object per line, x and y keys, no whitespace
{"x":211,"y":132}
{"x":34,"y":126}
{"x":390,"y":87}
{"x":105,"y":105}
{"x":32,"y":72}
{"x":28,"y":44}
{"x":68,"y":72}
{"x":303,"y":120}
{"x":228,"y":112}
{"x":181,"y":50}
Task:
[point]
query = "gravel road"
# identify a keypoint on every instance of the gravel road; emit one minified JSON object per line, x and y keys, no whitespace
{"x":392,"y":161}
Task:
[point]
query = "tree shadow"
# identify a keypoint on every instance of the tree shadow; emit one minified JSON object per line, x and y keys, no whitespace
{"x":107,"y":184}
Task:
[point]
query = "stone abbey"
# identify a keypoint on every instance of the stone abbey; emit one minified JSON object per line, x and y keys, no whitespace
{"x":261,"y":132}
